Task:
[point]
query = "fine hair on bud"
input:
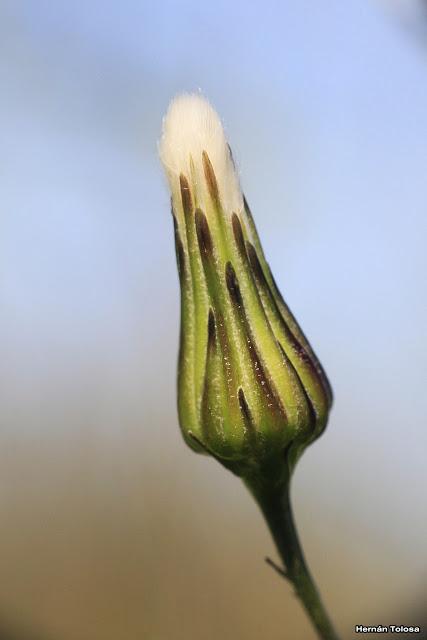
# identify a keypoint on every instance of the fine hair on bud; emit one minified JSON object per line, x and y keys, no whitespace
{"x":193,"y":141}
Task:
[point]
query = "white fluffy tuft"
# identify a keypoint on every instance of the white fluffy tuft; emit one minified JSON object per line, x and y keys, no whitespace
{"x":192,"y":126}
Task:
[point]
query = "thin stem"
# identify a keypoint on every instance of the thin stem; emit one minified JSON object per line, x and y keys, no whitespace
{"x":276,"y":507}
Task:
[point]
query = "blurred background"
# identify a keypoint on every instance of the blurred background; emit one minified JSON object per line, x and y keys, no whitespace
{"x":109,"y":526}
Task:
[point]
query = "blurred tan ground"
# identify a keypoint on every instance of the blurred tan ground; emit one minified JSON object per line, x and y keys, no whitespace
{"x":126,"y":536}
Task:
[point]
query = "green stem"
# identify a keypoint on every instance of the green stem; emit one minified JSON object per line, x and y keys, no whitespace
{"x":276,"y":507}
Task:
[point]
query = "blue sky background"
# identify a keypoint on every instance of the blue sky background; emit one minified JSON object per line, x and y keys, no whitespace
{"x":325,"y":108}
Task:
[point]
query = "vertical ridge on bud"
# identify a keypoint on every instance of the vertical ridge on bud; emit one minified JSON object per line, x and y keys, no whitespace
{"x":285,"y":312}
{"x":250,"y":388}
{"x":311,"y":380}
{"x":287,"y":380}
{"x":203,"y":235}
{"x":210,"y":179}
{"x":267,"y":398}
{"x":186,"y":199}
{"x":211,"y":330}
{"x":180,"y":256}
{"x":194,"y":303}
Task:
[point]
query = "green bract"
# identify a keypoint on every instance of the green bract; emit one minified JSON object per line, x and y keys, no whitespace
{"x":251,"y":391}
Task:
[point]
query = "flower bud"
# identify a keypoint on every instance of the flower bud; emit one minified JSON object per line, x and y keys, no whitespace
{"x":251,"y":391}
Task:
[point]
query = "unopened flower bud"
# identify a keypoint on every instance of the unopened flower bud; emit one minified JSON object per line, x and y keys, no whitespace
{"x":251,"y":391}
